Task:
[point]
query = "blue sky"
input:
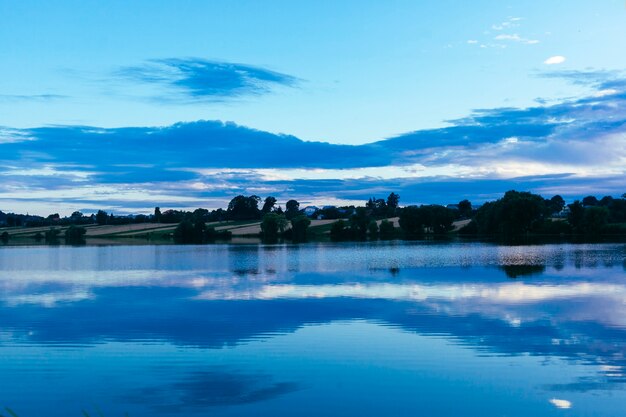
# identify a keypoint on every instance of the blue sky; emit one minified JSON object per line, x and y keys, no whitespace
{"x":127,"y":105}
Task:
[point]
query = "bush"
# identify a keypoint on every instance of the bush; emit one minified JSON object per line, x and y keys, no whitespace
{"x":373,"y":230}
{"x":185,"y":232}
{"x":515,"y":214}
{"x":386,"y":230}
{"x":339,"y":231}
{"x":299,"y":226}
{"x":52,"y":236}
{"x":75,"y":235}
{"x":272,"y":226}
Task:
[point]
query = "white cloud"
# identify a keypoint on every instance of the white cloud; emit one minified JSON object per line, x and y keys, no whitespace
{"x":509,"y":23}
{"x":561,"y":403}
{"x":556,"y":59}
{"x":516,"y":38}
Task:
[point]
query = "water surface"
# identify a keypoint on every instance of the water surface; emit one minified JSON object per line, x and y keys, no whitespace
{"x":395,"y":328}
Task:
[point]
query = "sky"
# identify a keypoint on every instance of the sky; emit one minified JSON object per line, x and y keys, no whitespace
{"x":124,"y":106}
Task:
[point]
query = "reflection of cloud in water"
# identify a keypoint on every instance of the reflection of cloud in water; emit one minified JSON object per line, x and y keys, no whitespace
{"x":558,"y":403}
{"x":499,"y":293}
{"x":210,"y":388}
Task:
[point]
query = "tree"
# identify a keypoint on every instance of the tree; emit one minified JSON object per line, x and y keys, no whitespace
{"x":185,"y":232}
{"x":268,"y":205}
{"x":52,"y":236}
{"x":359,"y":222}
{"x":438,"y":218}
{"x":292,"y":209}
{"x":590,"y":201}
{"x":75,"y":235}
{"x":386,"y":230}
{"x":555,"y":204}
{"x":576,"y":215}
{"x":199,"y":228}
{"x":200,"y":215}
{"x":412,"y":221}
{"x":377,"y":207}
{"x":272,"y":226}
{"x":244,"y":208}
{"x":339,"y":231}
{"x":157,"y":214}
{"x":465,"y":209}
{"x":594,"y":220}
{"x":372,"y":229}
{"x":617,"y":210}
{"x":514,"y":214}
{"x":76,"y":216}
{"x":102,"y":217}
{"x":299,"y":226}
{"x":4,"y":237}
{"x":606,"y":201}
{"x":392,"y":201}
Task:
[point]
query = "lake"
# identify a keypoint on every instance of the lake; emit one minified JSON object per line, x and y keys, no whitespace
{"x":354,"y":329}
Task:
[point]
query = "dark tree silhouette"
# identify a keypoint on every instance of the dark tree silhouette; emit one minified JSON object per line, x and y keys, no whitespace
{"x":299,"y":226}
{"x":465,"y":209}
{"x":268,"y":205}
{"x":244,"y":208}
{"x":386,"y":230}
{"x":292,"y":209}
{"x":157,"y":214}
{"x":102,"y":217}
{"x":75,"y":235}
{"x":590,"y":201}
{"x":272,"y":226}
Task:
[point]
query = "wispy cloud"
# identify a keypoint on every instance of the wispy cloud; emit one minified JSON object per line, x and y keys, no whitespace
{"x":200,"y":79}
{"x":511,"y":22}
{"x":30,"y":97}
{"x":504,"y":36}
{"x":516,"y":38}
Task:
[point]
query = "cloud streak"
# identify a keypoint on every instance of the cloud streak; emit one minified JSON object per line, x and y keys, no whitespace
{"x":30,"y":97}
{"x":205,"y":80}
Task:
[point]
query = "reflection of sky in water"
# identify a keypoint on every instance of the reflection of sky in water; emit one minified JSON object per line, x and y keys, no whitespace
{"x":395,"y":329}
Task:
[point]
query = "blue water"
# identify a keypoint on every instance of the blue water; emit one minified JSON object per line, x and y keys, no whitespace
{"x":393,"y":329}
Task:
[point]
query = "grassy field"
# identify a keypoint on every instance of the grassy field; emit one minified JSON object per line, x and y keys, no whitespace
{"x":140,"y":232}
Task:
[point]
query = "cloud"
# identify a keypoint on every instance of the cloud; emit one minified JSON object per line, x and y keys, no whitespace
{"x":509,"y":23}
{"x":200,"y":79}
{"x":581,"y":290}
{"x":554,"y":60}
{"x":516,"y":38}
{"x":501,"y":39}
{"x":558,"y":403}
{"x":210,"y":388}
{"x":573,"y":147}
{"x":30,"y":97}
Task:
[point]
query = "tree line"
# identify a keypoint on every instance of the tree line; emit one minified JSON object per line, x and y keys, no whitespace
{"x":515,"y":214}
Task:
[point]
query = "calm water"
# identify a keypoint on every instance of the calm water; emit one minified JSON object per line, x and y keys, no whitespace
{"x":398,"y":329}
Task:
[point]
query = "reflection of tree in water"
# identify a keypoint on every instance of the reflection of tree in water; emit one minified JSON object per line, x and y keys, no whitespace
{"x":515,"y":271}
